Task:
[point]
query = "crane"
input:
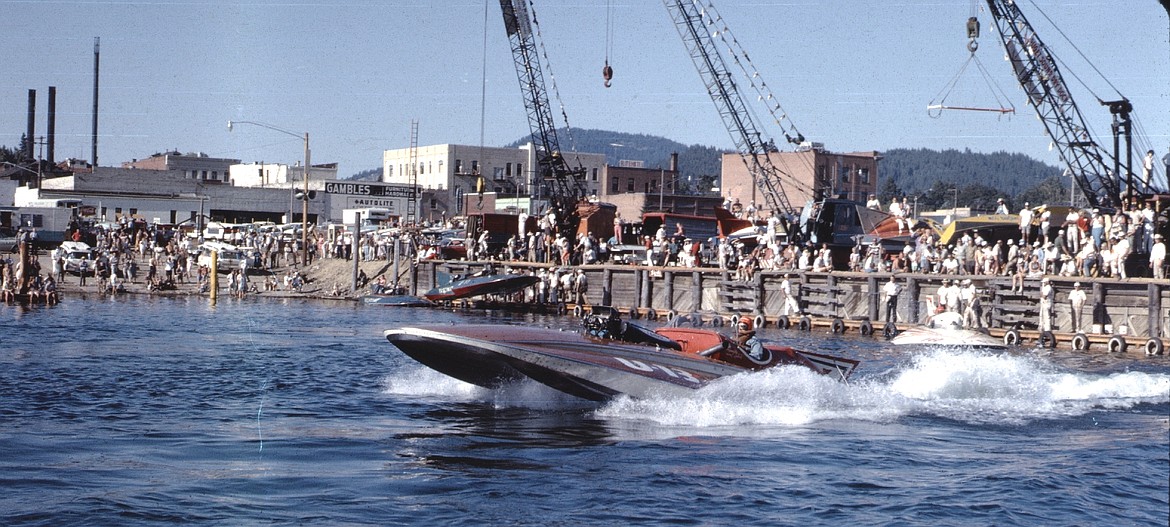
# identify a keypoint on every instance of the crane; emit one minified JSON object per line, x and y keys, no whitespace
{"x":566,"y":182}
{"x":1037,"y":72}
{"x":753,"y":144}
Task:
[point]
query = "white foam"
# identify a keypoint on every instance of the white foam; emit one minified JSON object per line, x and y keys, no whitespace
{"x":966,"y":386}
{"x":422,"y":382}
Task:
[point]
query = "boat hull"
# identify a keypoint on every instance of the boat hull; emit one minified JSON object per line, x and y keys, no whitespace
{"x":481,"y":285}
{"x":588,"y":367}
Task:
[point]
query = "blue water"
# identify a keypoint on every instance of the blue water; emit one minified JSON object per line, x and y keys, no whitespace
{"x":146,"y":411}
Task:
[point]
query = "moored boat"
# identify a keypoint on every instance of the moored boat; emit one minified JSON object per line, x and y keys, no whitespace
{"x":483,"y":283}
{"x":945,"y":330}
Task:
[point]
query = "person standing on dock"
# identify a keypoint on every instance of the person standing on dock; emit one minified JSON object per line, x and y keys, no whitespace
{"x":790,"y":303}
{"x":1026,"y":223}
{"x":1077,"y":298}
{"x":1047,"y":296}
{"x":1158,"y":257}
{"x":891,"y":290}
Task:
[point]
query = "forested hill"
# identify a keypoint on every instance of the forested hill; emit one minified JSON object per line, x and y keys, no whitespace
{"x":915,"y":170}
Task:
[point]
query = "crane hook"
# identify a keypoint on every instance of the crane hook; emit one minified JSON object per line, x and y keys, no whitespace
{"x":972,"y":34}
{"x":607,"y":74}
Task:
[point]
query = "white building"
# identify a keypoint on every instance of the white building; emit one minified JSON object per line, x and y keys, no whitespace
{"x":453,"y":171}
{"x":277,"y":175}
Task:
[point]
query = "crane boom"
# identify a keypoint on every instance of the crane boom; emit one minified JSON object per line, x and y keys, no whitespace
{"x":753,"y":145}
{"x":567,"y":182}
{"x":1037,"y":72}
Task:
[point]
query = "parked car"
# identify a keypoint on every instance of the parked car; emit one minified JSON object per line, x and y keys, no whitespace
{"x":75,"y":252}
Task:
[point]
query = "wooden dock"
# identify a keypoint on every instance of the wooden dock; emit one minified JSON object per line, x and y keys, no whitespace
{"x":1128,"y":315}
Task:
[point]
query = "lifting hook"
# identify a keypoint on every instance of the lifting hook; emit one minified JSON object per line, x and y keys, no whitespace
{"x":607,"y":74}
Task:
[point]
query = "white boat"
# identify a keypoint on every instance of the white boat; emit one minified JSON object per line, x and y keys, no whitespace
{"x":945,"y":330}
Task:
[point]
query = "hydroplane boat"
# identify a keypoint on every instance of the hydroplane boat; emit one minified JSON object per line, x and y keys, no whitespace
{"x":482,"y":283}
{"x":946,"y":330}
{"x":610,"y":358}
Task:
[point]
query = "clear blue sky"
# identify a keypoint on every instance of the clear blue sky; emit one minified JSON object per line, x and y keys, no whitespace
{"x":855,"y":75}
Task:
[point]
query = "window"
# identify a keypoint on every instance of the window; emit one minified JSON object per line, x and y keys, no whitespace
{"x":844,"y":171}
{"x":434,"y":203}
{"x":863,"y":174}
{"x":458,"y":166}
{"x":215,"y":174}
{"x":519,"y":169}
{"x":498,"y":174}
{"x":134,"y":212}
{"x":629,"y":184}
{"x":474,"y":166}
{"x":595,"y":174}
{"x":508,"y":169}
{"x":390,"y":171}
{"x":613,"y":185}
{"x":653,"y":185}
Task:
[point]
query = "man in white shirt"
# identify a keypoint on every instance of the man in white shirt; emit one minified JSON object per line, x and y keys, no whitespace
{"x":1026,"y":223}
{"x":1077,"y":298}
{"x":1158,"y":257}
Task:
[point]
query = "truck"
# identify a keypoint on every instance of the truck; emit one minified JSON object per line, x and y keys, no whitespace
{"x":369,"y":216}
{"x":48,"y":223}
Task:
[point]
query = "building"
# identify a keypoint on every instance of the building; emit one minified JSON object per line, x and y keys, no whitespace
{"x":193,"y":165}
{"x":453,"y":172}
{"x":269,"y":175}
{"x":814,"y":171}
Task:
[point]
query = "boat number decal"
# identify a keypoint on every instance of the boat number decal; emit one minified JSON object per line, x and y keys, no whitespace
{"x":642,"y":366}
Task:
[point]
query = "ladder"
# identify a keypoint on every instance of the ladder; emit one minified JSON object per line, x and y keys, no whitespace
{"x":412,"y":201}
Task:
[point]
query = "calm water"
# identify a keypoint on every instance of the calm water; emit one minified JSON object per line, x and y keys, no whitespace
{"x":170,"y":411}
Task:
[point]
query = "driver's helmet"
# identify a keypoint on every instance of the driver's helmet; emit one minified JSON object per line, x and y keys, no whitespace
{"x":744,"y":324}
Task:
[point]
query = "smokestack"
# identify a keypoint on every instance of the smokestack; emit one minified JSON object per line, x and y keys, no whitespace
{"x":31,"y":134}
{"x":52,"y":130}
{"x":96,"y":61}
{"x":674,"y":162}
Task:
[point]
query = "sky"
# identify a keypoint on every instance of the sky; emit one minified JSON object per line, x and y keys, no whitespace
{"x":856,"y":75}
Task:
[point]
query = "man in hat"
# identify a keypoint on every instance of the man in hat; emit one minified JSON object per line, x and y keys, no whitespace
{"x":1047,"y":296}
{"x":1001,"y":208}
{"x":1077,"y":298}
{"x":1158,"y":257}
{"x":972,"y":306}
{"x":745,"y":336}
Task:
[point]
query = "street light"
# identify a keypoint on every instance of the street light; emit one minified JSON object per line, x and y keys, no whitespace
{"x":305,"y":197}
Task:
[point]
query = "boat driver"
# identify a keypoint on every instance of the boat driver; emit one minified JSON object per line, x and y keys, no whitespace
{"x":745,"y":336}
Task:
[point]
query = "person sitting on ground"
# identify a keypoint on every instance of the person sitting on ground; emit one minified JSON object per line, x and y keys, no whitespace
{"x":745,"y":336}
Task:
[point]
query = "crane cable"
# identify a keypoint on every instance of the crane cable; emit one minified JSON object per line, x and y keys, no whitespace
{"x":607,"y":71}
{"x":556,"y":92}
{"x":936,"y":106}
{"x":712,"y":18}
{"x":1140,"y":137}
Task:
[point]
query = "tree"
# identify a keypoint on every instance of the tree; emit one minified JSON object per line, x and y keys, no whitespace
{"x":1051,"y":191}
{"x":889,"y":190}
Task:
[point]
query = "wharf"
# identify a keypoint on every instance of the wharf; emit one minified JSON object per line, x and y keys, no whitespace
{"x":1120,"y":315}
